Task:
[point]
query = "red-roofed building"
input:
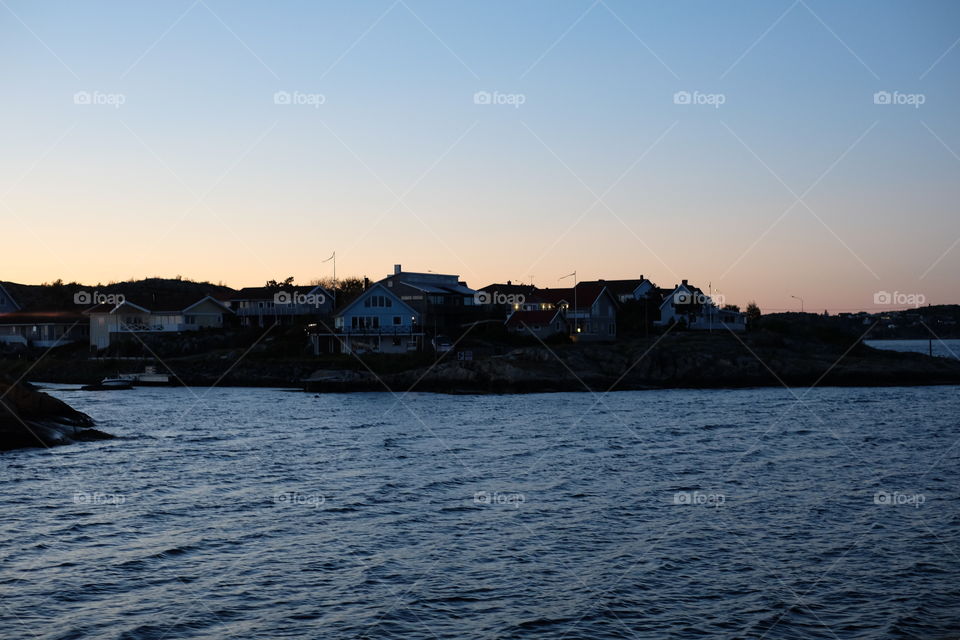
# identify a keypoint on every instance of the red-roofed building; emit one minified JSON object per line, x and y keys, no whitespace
{"x":590,"y":309}
{"x":542,"y":324}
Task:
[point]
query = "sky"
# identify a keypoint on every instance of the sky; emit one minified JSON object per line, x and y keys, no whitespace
{"x":767,"y":150}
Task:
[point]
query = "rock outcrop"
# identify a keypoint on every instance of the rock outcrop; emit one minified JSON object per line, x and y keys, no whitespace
{"x":31,"y":418}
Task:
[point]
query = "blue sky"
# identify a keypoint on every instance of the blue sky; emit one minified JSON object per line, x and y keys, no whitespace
{"x":199,"y":172}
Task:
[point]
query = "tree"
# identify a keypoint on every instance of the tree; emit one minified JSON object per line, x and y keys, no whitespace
{"x":731,"y":307}
{"x":753,"y":313}
{"x":348,"y":289}
{"x":273,"y":284}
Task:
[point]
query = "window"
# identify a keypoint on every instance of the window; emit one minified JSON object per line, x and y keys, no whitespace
{"x":396,"y":320}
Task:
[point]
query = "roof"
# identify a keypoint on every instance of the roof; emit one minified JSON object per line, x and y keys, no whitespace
{"x":509,"y":289}
{"x":376,"y":286}
{"x":42,"y":317}
{"x":619,"y":287}
{"x":583,"y":296}
{"x":267,"y":293}
{"x":532,"y":318}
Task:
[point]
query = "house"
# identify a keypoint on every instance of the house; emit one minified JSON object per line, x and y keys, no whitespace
{"x":501,"y":300}
{"x":378,"y":320}
{"x":590,"y":309}
{"x":43,"y":329}
{"x":151,"y":314}
{"x":541,"y":323}
{"x":266,"y":306}
{"x":627,"y":290}
{"x":445,"y":303}
{"x":693,"y":309}
{"x":397,"y":313}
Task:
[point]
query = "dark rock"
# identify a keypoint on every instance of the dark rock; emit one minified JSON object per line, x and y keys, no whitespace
{"x":31,"y":418}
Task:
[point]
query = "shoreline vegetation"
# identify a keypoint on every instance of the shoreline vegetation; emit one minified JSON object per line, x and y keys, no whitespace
{"x":673,"y":360}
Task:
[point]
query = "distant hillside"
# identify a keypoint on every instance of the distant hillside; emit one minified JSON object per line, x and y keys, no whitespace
{"x":940,"y":321}
{"x":59,"y":296}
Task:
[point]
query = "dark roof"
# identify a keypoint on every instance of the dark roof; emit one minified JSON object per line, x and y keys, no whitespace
{"x":42,"y":317}
{"x":618,"y":287}
{"x":510,"y":289}
{"x":267,"y":293}
{"x":539,"y":318}
{"x":584,"y":295}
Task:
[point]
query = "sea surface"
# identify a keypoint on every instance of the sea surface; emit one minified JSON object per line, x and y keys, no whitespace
{"x":938,"y":348}
{"x":260,"y":513}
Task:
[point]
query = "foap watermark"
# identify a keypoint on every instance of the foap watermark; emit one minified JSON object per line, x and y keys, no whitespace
{"x":295,"y":498}
{"x":115,"y":100}
{"x":896,"y":98}
{"x":495,"y":97}
{"x":304,"y":299}
{"x":699,"y":98}
{"x":98,"y":497}
{"x":495,"y":297}
{"x":898,"y":298}
{"x":299,"y":98}
{"x":697,"y":297}
{"x":698,"y":498}
{"x":499,"y":498}
{"x":896,"y":498}
{"x":86,"y":298}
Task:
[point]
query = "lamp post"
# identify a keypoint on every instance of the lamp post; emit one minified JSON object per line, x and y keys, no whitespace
{"x":801,"y":302}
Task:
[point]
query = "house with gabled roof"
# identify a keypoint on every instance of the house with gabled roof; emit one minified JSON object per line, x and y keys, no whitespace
{"x":691,"y":308}
{"x":396,"y":314}
{"x":152,"y":313}
{"x":590,"y":309}
{"x":540,"y":323}
{"x":266,"y":306}
{"x":378,"y":321}
{"x":626,"y":290}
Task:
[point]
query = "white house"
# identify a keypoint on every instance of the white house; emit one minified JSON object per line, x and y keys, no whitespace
{"x":690,"y":307}
{"x":109,"y":321}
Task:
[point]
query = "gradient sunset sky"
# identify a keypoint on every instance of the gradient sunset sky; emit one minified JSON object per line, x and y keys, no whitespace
{"x":149,"y":138}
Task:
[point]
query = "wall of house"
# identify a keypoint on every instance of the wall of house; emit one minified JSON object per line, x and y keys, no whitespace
{"x":600,"y":323}
{"x":206,"y":314}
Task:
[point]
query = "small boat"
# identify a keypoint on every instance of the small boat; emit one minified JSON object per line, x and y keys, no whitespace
{"x":109,"y":384}
{"x":149,"y":378}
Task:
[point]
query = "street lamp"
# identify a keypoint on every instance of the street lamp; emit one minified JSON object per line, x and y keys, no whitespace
{"x":801,"y":302}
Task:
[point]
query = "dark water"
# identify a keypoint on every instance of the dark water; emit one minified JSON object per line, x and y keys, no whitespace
{"x":662,"y":514}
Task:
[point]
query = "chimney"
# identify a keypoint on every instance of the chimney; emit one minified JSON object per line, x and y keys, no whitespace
{"x":684,"y":282}
{"x":366,"y":283}
{"x":396,"y":269}
{"x":509,"y":283}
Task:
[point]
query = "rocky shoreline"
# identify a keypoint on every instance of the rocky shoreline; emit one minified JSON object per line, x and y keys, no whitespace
{"x":684,"y":361}
{"x":31,"y":418}
{"x":681,"y":360}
